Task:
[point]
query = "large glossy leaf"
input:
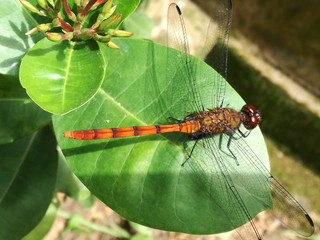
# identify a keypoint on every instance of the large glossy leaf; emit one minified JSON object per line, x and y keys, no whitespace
{"x":142,"y":178}
{"x":126,"y":7}
{"x":62,"y":76}
{"x":14,"y":23}
{"x":28,"y":169}
{"x":20,"y":116}
{"x":140,"y":24}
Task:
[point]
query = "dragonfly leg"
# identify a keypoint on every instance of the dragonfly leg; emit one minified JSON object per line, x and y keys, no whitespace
{"x":244,"y":134}
{"x":189,"y":155}
{"x":222,"y":102}
{"x":228,"y":146}
{"x":196,"y":135}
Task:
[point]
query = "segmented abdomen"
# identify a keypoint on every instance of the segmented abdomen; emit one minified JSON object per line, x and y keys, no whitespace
{"x":185,"y":127}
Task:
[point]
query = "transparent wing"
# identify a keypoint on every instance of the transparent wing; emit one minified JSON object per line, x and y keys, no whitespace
{"x":218,"y":182}
{"x":285,"y":207}
{"x":229,"y":191}
{"x":182,"y":66}
{"x":184,"y":97}
{"x":217,"y":42}
{"x":250,"y":185}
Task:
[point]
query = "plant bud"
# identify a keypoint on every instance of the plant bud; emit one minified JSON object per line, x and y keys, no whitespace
{"x":32,"y":31}
{"x":110,"y":11}
{"x":111,"y":22}
{"x":44,"y":27}
{"x":112,"y":45}
{"x":107,"y":6}
{"x":32,"y":8}
{"x":43,"y":4}
{"x":119,"y":33}
{"x":54,"y":37}
{"x":103,"y":39}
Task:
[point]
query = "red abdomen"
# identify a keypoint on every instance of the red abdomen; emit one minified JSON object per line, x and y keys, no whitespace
{"x":185,"y":127}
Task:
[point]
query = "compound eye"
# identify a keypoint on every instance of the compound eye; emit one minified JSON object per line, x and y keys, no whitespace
{"x":254,"y":120}
{"x":252,"y":116}
{"x":248,"y":108}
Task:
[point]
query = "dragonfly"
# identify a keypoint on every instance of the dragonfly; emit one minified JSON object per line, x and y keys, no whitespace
{"x":201,"y":124}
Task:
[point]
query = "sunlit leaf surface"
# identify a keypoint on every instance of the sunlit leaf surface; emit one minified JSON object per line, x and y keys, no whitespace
{"x":62,"y":76}
{"x":141,"y":178}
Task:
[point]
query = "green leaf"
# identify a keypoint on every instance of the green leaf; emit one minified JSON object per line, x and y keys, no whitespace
{"x":28,"y":170}
{"x":41,"y":230}
{"x":61,"y":77}
{"x":19,"y":115}
{"x":140,"y":24}
{"x":14,"y":23}
{"x":126,"y":7}
{"x":141,"y":178}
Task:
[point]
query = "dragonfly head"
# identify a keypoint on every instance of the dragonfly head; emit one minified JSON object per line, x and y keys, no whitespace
{"x":252,"y":116}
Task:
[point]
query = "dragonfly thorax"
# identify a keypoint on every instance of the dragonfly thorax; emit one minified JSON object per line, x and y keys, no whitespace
{"x":222,"y":120}
{"x":215,"y":121}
